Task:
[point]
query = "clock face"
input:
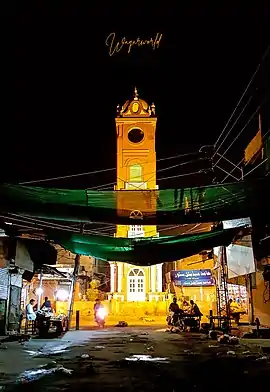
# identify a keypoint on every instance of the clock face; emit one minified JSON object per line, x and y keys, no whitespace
{"x":135,"y":135}
{"x":135,"y":107}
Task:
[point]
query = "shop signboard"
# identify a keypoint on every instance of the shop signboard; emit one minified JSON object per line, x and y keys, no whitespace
{"x":187,"y":278}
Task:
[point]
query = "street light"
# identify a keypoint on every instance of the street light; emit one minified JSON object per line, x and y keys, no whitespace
{"x":62,"y":295}
{"x":39,"y":291}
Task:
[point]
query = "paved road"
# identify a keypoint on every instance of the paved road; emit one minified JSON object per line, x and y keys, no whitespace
{"x":147,"y":359}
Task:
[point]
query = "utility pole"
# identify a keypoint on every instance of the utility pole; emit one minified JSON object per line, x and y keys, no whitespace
{"x":73,"y":287}
{"x":40,"y":290}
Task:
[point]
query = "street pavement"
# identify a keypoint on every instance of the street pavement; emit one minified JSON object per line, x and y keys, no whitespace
{"x":88,"y":321}
{"x":133,"y":359}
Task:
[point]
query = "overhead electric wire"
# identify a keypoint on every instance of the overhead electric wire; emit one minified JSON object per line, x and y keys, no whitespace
{"x":237,"y":166}
{"x":38,"y":224}
{"x":41,"y":222}
{"x":228,"y":133}
{"x":139,"y":186}
{"x":180,"y":175}
{"x":99,"y":171}
{"x":241,"y":131}
{"x":254,"y":168}
{"x":242,"y":96}
{"x":154,"y":172}
{"x":109,"y":184}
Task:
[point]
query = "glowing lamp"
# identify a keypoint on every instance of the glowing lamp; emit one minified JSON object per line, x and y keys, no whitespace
{"x":39,"y":290}
{"x":62,"y":295}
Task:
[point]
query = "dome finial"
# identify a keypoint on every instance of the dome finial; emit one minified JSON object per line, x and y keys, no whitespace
{"x":135,"y":94}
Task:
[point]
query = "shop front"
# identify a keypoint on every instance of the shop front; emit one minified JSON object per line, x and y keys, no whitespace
{"x":196,"y":285}
{"x":238,"y":293}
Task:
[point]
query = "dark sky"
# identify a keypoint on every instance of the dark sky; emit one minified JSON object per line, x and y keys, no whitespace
{"x":66,"y":86}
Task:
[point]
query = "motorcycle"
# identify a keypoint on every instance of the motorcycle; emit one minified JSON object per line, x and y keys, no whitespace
{"x":175,"y":323}
{"x":100,"y":317}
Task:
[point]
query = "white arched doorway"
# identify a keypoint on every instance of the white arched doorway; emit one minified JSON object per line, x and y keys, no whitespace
{"x":136,"y":285}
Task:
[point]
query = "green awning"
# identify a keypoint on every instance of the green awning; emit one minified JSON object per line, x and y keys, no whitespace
{"x":142,"y":251}
{"x":157,"y":207}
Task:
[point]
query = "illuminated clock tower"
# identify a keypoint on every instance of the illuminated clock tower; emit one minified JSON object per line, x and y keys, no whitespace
{"x":136,"y":170}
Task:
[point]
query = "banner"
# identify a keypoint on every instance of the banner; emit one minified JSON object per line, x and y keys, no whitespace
{"x":240,"y":257}
{"x":23,"y":259}
{"x":187,"y":278}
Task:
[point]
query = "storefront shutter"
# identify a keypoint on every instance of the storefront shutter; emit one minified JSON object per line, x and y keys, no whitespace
{"x":3,"y":283}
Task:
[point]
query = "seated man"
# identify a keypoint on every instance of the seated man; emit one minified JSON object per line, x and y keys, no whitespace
{"x":195,"y":309}
{"x":174,"y":308}
{"x":30,"y":314}
{"x":46,"y":304}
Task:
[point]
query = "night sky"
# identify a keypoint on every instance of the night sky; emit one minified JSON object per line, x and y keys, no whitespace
{"x":65,"y":86}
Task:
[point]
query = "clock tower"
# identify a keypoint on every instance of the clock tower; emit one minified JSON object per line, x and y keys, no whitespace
{"x":136,"y":171}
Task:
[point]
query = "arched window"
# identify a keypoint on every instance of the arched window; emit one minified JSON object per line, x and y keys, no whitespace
{"x":135,"y":173}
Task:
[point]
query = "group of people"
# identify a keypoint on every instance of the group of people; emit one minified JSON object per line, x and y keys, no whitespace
{"x":188,"y":309}
{"x":31,"y":308}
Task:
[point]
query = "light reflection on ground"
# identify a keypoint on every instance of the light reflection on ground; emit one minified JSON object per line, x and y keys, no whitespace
{"x":36,"y":374}
{"x":147,"y":358}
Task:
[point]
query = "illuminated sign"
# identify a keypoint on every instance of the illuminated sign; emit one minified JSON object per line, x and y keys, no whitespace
{"x":201,"y":277}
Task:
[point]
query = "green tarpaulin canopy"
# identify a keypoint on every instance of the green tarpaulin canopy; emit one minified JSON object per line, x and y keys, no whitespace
{"x":157,"y":207}
{"x":142,"y":251}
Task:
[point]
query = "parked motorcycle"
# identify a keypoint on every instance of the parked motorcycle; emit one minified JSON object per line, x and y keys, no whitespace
{"x":100,"y":317}
{"x":175,"y":322}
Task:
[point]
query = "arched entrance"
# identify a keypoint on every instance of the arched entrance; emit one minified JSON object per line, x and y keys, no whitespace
{"x":136,"y":285}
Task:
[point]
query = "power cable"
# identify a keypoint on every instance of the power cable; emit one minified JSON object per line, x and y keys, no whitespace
{"x":108,"y":185}
{"x":40,"y":224}
{"x":225,"y":178}
{"x":261,"y":163}
{"x":139,"y":187}
{"x":228,"y":133}
{"x":242,"y":96}
{"x":100,"y":187}
{"x":99,"y":171}
{"x":228,"y":174}
{"x":241,"y":131}
{"x":180,"y":175}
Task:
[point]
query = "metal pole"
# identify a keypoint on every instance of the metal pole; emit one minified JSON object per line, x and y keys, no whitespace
{"x":251,"y":299}
{"x":40,"y":290}
{"x":77,"y":320}
{"x":72,"y":290}
{"x":8,"y":304}
{"x":224,"y":273}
